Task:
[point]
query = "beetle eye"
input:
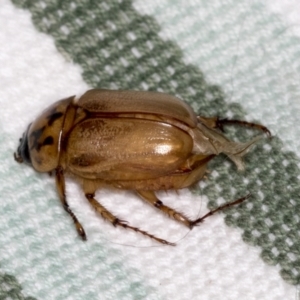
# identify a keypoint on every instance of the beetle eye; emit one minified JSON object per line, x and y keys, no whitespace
{"x":23,"y":149}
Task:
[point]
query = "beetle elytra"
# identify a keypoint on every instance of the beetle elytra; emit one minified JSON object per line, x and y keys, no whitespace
{"x":140,"y":141}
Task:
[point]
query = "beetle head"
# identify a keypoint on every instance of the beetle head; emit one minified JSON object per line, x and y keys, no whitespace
{"x":40,"y":145}
{"x":23,"y":154}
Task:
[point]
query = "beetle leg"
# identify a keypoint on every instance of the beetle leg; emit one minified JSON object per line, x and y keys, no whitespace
{"x":215,"y":122}
{"x":60,"y":185}
{"x":224,"y":206}
{"x":221,"y":122}
{"x":107,"y":215}
{"x":151,"y":198}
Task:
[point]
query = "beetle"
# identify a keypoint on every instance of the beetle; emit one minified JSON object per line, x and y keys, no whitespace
{"x":134,"y":140}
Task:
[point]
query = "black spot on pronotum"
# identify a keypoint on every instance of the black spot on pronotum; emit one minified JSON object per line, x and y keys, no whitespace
{"x":48,"y":141}
{"x":54,"y":116}
{"x":35,"y":135}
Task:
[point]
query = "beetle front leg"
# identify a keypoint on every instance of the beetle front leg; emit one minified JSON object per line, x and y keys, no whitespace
{"x":60,"y":185}
{"x":107,"y":215}
{"x":151,"y":198}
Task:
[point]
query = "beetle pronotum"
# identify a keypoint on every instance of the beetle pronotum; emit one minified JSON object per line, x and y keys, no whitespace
{"x":141,"y":141}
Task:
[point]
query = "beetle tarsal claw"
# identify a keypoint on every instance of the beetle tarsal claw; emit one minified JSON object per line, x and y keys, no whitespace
{"x":81,"y":231}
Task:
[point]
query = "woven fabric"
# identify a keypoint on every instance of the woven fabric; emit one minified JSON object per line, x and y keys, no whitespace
{"x":236,"y":59}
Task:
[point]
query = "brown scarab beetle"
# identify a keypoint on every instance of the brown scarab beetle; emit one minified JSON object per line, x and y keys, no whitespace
{"x":141,"y":141}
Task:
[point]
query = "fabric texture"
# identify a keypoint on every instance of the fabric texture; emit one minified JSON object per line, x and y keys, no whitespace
{"x":234,"y":59}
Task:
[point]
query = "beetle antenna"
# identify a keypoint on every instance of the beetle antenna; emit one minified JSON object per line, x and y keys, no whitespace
{"x":18,"y":158}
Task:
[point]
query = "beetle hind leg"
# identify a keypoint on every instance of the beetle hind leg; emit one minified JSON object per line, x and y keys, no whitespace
{"x":151,"y":198}
{"x":107,"y":215}
{"x":215,"y":122}
{"x":219,"y":208}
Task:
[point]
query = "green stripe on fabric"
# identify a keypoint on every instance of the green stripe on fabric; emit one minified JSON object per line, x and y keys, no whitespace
{"x":118,"y":48}
{"x":11,"y":289}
